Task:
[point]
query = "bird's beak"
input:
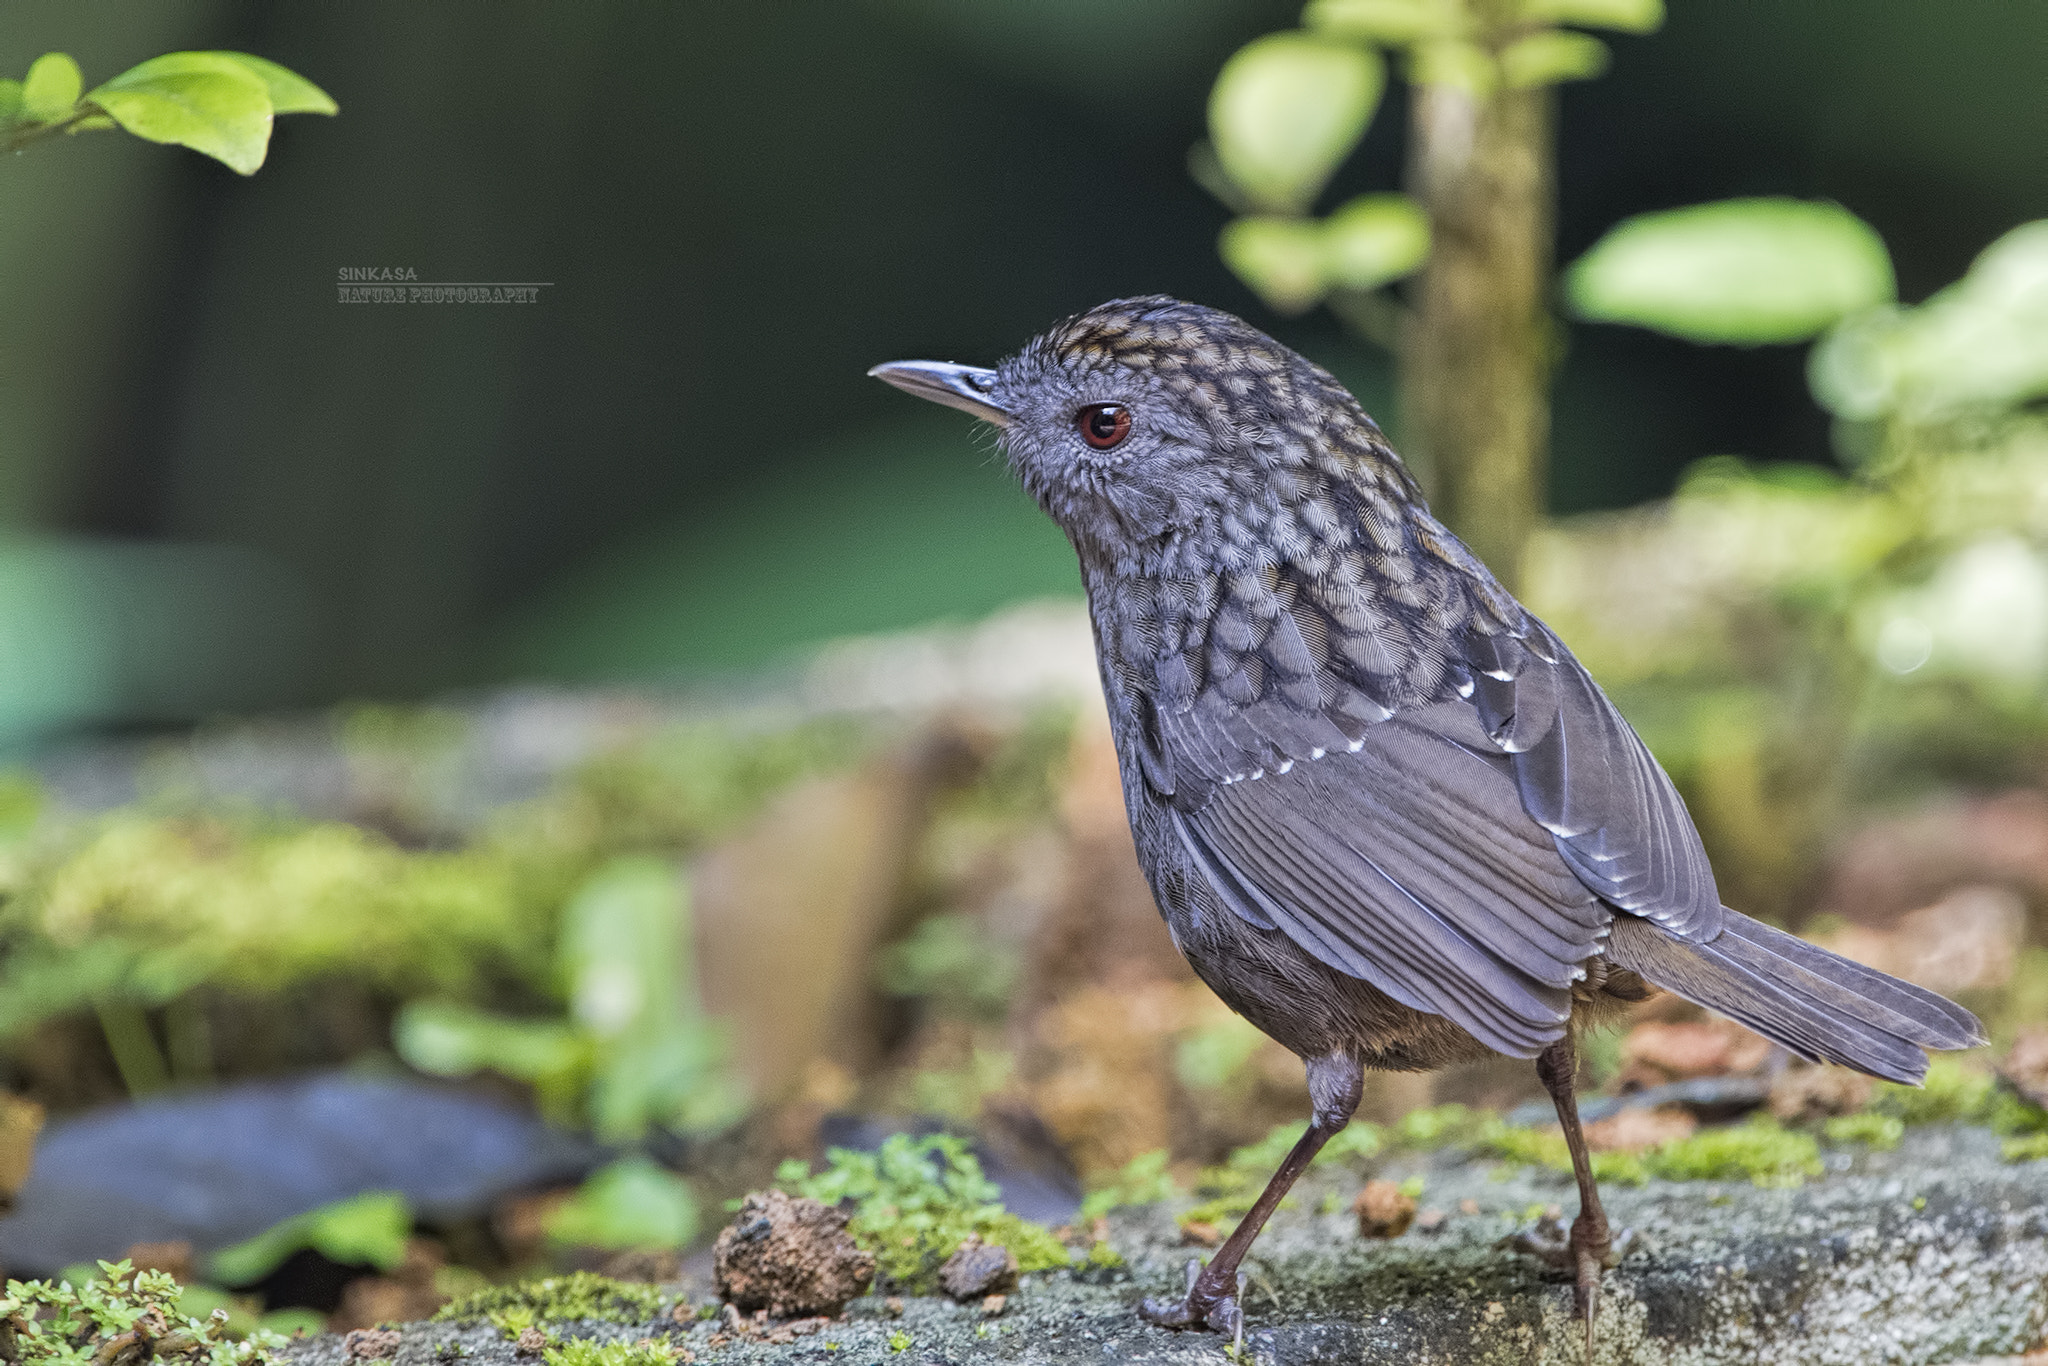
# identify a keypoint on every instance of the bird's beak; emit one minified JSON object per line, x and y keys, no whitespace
{"x":964,"y":387}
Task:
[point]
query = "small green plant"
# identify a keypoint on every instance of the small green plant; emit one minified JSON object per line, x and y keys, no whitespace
{"x":586,"y":1352}
{"x":125,"y":1316}
{"x":219,"y":103}
{"x":558,"y":1299}
{"x":899,"y":1341}
{"x":915,"y":1201}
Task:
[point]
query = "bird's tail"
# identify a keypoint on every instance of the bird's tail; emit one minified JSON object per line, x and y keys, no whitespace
{"x":1818,"y":1004}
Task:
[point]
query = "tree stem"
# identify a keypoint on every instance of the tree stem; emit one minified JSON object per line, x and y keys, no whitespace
{"x":1475,"y":367}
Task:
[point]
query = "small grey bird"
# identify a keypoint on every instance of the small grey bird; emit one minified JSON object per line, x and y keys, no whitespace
{"x":1387,"y":816}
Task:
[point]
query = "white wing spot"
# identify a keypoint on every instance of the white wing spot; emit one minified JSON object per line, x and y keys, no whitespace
{"x":1285,"y":765}
{"x":1317,"y":753}
{"x":1356,"y":745}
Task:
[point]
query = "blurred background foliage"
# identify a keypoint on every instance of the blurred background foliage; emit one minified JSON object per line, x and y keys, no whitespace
{"x":713,"y":900}
{"x":672,"y":463}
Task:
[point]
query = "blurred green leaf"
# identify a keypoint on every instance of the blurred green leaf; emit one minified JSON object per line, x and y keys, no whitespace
{"x":369,"y":1229}
{"x":1746,"y":271}
{"x":10,"y":102}
{"x":1454,"y":63}
{"x":1374,"y":239}
{"x":197,"y":100}
{"x":1286,"y":109}
{"x":1979,"y":345}
{"x":1280,"y":258}
{"x":447,"y":1039}
{"x":621,"y":938}
{"x":1550,"y":56}
{"x":51,"y":88}
{"x":633,"y":1203}
{"x":1394,"y":23}
{"x":1292,"y":262}
{"x":1625,"y":16}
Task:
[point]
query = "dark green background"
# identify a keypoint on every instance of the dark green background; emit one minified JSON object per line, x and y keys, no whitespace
{"x":673,"y":464}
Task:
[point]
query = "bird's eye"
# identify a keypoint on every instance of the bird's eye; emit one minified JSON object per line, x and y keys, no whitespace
{"x":1103,"y":425}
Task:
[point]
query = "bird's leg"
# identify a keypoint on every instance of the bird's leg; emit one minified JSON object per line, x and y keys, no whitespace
{"x":1334,"y":1084}
{"x":1590,"y":1248}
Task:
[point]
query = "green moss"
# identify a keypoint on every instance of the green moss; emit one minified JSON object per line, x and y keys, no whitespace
{"x":1546,"y":1148}
{"x":1443,"y":1126}
{"x":915,"y":1201}
{"x":1103,"y":1257}
{"x":1144,"y":1180}
{"x":1953,"y":1093}
{"x":62,"y":1324}
{"x":559,"y":1299}
{"x":1759,"y":1149}
{"x":1867,"y":1127}
{"x":585,"y":1352}
{"x":1357,"y":1139}
{"x":2030,"y":1148}
{"x":1957,"y":1093}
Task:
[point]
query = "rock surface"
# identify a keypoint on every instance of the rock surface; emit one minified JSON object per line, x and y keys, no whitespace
{"x":1937,"y":1252}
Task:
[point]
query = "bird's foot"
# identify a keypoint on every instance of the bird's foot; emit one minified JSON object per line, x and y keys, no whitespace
{"x":1585,"y":1250}
{"x":1210,"y":1302}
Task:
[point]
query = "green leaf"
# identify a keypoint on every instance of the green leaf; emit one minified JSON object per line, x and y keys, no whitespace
{"x":51,"y":88}
{"x":1374,"y":239}
{"x":368,"y":1229}
{"x":452,"y":1040}
{"x":1550,"y":56}
{"x":1393,"y":23}
{"x":1981,"y":344}
{"x":1286,"y":109}
{"x":1455,"y":63}
{"x":196,"y":100}
{"x":1746,"y":271}
{"x":290,"y":93}
{"x":1623,"y":16}
{"x":633,"y":1203}
{"x":10,"y":102}
{"x":1280,"y":258}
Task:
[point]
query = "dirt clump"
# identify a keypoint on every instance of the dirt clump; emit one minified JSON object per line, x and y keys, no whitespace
{"x":371,"y":1344}
{"x":1384,"y":1210}
{"x":789,"y":1256}
{"x":977,"y":1270}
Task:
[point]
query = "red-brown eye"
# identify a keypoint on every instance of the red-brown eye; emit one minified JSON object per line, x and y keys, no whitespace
{"x":1103,"y":425}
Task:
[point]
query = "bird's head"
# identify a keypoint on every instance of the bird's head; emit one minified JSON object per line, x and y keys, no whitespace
{"x":1144,"y":421}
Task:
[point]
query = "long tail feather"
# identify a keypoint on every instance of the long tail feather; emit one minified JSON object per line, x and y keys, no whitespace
{"x":1818,"y":1004}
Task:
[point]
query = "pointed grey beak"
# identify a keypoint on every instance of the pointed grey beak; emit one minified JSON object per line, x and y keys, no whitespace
{"x":957,"y":386}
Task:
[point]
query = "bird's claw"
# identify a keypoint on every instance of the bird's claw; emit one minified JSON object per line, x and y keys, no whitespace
{"x":1205,"y":1305}
{"x":1551,"y":1242}
{"x":1585,"y":1250}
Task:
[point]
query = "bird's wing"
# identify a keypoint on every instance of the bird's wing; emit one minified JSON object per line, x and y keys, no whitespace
{"x":1586,"y":777}
{"x":1441,"y":813}
{"x":1410,"y":864}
